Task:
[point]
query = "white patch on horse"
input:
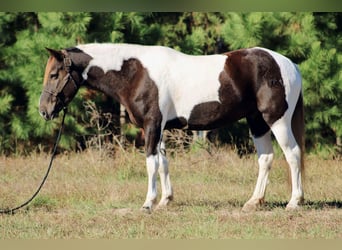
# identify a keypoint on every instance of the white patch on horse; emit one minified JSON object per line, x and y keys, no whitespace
{"x":176,"y":75}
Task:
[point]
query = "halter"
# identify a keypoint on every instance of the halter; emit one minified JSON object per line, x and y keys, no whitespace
{"x":66,"y":80}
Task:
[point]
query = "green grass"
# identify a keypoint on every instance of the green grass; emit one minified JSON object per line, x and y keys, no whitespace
{"x":89,"y":196}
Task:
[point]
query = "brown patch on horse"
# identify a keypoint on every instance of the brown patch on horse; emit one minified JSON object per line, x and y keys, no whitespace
{"x":257,"y":76}
{"x":251,"y":86}
{"x":234,"y":102}
{"x":133,"y":87}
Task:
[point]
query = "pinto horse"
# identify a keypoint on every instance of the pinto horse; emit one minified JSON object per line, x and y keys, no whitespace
{"x":162,"y":88}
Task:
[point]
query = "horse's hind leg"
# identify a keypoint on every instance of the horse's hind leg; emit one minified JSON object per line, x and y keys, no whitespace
{"x":284,"y":135}
{"x":264,"y":149}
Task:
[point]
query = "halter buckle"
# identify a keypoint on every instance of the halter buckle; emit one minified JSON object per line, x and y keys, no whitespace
{"x":67,"y":62}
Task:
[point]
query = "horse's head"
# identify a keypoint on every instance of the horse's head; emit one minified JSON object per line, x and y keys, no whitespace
{"x":59,"y":84}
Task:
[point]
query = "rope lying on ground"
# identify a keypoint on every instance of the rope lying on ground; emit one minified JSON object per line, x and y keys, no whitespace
{"x":12,"y":210}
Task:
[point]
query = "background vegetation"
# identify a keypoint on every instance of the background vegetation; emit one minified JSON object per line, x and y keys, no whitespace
{"x":312,"y":40}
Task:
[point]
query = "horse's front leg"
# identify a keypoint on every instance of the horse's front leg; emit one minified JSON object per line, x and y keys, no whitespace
{"x":152,"y":139}
{"x":156,"y":160}
{"x":152,"y":163}
{"x":167,"y":194}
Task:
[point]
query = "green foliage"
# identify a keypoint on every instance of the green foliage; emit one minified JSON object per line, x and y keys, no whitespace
{"x":312,"y":40}
{"x":44,"y":202}
{"x":5,"y":103}
{"x":287,"y":33}
{"x":323,"y":92}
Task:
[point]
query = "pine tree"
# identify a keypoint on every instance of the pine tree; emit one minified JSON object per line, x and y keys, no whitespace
{"x":12,"y":96}
{"x":312,"y":40}
{"x":25,"y":61}
{"x":323,"y":83}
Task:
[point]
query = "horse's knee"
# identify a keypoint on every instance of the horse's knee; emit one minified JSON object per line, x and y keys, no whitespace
{"x":293,"y":156}
{"x":152,"y":164}
{"x":163,"y":165}
{"x":265,"y":161}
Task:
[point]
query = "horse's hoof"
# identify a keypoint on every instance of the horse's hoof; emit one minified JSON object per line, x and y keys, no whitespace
{"x":295,"y":204}
{"x":146,"y":209}
{"x":164,"y":202}
{"x":162,"y":206}
{"x":291,"y":207}
{"x":252,"y":205}
{"x":247,"y":208}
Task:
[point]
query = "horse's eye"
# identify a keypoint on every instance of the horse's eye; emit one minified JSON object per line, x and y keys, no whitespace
{"x":54,"y":75}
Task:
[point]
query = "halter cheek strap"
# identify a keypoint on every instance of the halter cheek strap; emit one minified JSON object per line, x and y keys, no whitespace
{"x":67,"y":65}
{"x":66,"y":80}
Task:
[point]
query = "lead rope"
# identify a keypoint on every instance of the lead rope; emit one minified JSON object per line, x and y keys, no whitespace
{"x":12,"y":210}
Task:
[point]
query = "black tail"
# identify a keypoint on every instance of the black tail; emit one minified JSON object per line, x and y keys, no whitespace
{"x":298,"y":128}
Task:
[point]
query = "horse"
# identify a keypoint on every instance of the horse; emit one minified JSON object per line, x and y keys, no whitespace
{"x":162,"y":88}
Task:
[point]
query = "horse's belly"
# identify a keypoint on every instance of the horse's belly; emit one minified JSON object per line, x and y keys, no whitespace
{"x":206,"y":116}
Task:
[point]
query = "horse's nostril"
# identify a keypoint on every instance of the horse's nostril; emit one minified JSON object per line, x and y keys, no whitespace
{"x":44,"y":114}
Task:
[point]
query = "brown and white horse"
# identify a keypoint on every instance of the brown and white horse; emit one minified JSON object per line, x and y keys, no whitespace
{"x":162,"y":88}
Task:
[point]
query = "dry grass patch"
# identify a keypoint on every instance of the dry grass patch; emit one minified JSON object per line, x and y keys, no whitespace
{"x":90,"y":195}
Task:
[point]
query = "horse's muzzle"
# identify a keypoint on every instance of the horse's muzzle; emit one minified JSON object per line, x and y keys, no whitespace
{"x":50,"y":109}
{"x":47,"y":116}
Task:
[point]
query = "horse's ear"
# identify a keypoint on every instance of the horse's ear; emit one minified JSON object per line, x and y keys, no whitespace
{"x":55,"y":53}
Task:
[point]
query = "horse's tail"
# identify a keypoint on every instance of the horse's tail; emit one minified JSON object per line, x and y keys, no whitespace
{"x":298,"y":129}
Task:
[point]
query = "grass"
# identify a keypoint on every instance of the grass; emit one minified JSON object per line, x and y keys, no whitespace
{"x":88,"y":195}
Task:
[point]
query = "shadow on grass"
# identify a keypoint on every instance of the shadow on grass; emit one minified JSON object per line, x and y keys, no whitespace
{"x":268,"y":206}
{"x":308,"y":205}
{"x":323,"y":204}
{"x":214,"y":204}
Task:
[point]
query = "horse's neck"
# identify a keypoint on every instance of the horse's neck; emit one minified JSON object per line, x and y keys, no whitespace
{"x":112,"y":69}
{"x":114,"y":83}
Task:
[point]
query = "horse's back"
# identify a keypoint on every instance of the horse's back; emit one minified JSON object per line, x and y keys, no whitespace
{"x":209,"y":91}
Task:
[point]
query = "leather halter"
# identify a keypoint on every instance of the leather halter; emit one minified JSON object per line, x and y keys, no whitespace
{"x":66,"y":80}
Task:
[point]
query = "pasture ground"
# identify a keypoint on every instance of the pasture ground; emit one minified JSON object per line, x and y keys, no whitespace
{"x":92,"y":195}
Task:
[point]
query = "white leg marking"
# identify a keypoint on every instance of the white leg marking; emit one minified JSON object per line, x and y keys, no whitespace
{"x":167,"y":194}
{"x":265,"y":157}
{"x":283,"y":133}
{"x":152,"y":163}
